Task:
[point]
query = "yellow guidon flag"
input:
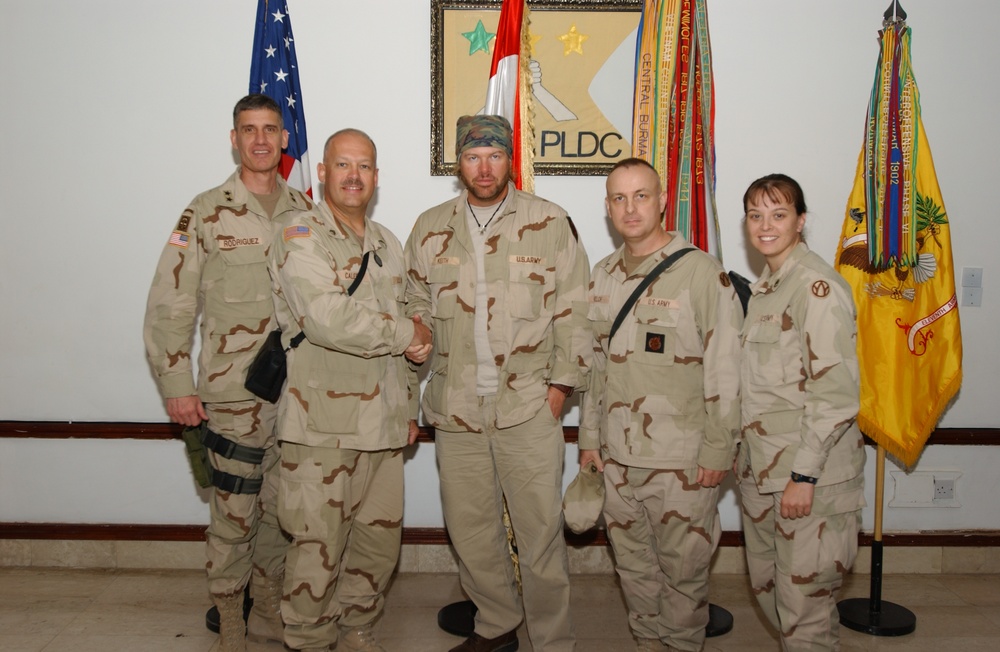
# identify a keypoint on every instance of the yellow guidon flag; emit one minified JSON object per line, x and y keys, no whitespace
{"x":895,"y":251}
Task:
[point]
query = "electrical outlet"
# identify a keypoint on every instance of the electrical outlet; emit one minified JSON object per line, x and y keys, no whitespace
{"x":925,"y":489}
{"x":972,"y":297}
{"x":945,"y":494}
{"x":972,"y":277}
{"x":944,"y":488}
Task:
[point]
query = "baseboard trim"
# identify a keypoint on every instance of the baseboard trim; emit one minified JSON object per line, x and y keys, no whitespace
{"x":161,"y":431}
{"x":439,"y":536}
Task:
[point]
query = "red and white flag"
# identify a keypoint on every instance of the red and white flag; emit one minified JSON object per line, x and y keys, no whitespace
{"x":508,"y":93}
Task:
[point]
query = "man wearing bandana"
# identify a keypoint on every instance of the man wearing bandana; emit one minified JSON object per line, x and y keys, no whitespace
{"x":661,"y":413}
{"x":500,"y":277}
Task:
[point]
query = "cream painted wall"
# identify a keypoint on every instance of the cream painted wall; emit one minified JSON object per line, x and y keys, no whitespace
{"x":117,"y":112}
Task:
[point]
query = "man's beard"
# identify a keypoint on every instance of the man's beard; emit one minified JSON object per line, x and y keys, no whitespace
{"x":488,"y":194}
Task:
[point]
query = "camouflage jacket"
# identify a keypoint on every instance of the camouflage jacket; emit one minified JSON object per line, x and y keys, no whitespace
{"x":349,"y":385}
{"x":800,"y":375}
{"x":215,"y":257}
{"x":536,"y":273}
{"x":664,"y":393}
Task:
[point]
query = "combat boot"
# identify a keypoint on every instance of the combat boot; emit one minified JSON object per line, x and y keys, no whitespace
{"x":358,"y":639}
{"x":264,"y":623}
{"x":232,"y":627}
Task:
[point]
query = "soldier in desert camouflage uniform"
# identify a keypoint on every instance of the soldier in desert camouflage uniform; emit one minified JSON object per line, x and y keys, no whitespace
{"x":661,"y":412}
{"x":217,"y":256}
{"x":349,"y":407}
{"x":501,"y":279}
{"x":802,"y":458}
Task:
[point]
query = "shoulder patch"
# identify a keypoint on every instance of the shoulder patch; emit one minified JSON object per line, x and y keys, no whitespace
{"x":179,"y":239}
{"x":184,"y":222}
{"x":821,"y":289}
{"x":724,"y":279}
{"x":297,"y":231}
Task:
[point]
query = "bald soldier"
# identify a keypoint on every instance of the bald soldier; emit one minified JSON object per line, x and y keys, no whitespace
{"x":500,"y":277}
{"x":349,"y":406}
{"x":661,"y":414}
{"x":217,"y":257}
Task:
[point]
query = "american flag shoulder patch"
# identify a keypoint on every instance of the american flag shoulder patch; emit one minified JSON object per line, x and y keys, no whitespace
{"x":179,"y":239}
{"x":297,"y":231}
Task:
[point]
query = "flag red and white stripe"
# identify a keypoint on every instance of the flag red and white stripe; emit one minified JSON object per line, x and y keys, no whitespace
{"x":507,"y":94}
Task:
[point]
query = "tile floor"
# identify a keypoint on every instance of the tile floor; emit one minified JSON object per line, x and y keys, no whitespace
{"x":57,"y":610}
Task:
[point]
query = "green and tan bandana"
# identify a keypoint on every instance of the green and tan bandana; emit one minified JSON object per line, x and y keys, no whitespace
{"x":483,"y":131}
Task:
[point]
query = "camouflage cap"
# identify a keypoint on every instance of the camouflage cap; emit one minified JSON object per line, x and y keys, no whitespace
{"x":584,"y":499}
{"x":483,"y":131}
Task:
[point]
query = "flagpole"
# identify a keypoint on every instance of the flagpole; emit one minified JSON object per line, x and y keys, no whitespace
{"x":871,"y":615}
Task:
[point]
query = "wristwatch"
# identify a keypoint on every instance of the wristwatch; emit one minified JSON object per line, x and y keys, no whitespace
{"x":565,"y":389}
{"x":798,"y":477}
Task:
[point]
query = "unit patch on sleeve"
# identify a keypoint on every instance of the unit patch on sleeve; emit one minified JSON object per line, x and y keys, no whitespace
{"x":821,"y":289}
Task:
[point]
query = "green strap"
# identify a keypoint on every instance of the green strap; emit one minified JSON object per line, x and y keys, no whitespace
{"x":234,"y":484}
{"x":231,"y":450}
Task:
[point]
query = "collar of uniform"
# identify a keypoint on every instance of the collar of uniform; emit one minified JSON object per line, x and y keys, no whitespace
{"x":373,"y":240}
{"x":458,"y":223}
{"x":615,"y":265}
{"x":768,"y":281}
{"x":237,"y":194}
{"x":233,"y":190}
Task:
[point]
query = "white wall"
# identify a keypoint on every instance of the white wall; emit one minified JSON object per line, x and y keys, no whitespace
{"x":117,"y":112}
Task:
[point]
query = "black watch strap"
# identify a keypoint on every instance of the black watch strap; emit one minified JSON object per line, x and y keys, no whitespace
{"x":798,"y":477}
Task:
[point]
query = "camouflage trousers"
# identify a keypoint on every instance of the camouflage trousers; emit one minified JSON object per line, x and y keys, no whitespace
{"x":243,"y":535}
{"x":797,"y":566}
{"x":663,"y":529}
{"x":344,"y":511}
{"x":523,"y":463}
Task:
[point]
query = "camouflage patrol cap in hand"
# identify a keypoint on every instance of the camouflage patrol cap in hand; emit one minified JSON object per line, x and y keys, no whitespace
{"x":584,"y":499}
{"x":483,"y":131}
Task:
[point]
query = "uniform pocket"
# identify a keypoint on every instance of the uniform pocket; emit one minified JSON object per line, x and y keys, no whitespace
{"x":763,"y":353}
{"x":443,"y":281}
{"x":335,"y":400}
{"x":599,"y":317}
{"x":245,"y":278}
{"x":526,"y":290}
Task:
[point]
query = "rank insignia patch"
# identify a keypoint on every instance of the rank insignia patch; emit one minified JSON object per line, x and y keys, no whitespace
{"x":654,"y":343}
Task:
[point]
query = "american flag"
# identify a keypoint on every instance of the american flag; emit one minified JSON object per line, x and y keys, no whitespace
{"x":274,"y":71}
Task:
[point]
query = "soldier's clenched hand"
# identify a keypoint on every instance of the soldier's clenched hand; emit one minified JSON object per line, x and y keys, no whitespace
{"x":420,"y":346}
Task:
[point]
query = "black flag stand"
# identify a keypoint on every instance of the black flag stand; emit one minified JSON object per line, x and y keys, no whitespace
{"x":871,"y":615}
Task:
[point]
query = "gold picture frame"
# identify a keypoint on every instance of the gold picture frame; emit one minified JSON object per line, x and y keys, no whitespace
{"x":583,"y":54}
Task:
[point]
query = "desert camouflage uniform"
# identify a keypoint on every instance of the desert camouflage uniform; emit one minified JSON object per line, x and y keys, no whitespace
{"x":663,"y":399}
{"x":800,"y":399}
{"x":342,"y":421}
{"x":507,"y":444}
{"x":217,"y":256}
